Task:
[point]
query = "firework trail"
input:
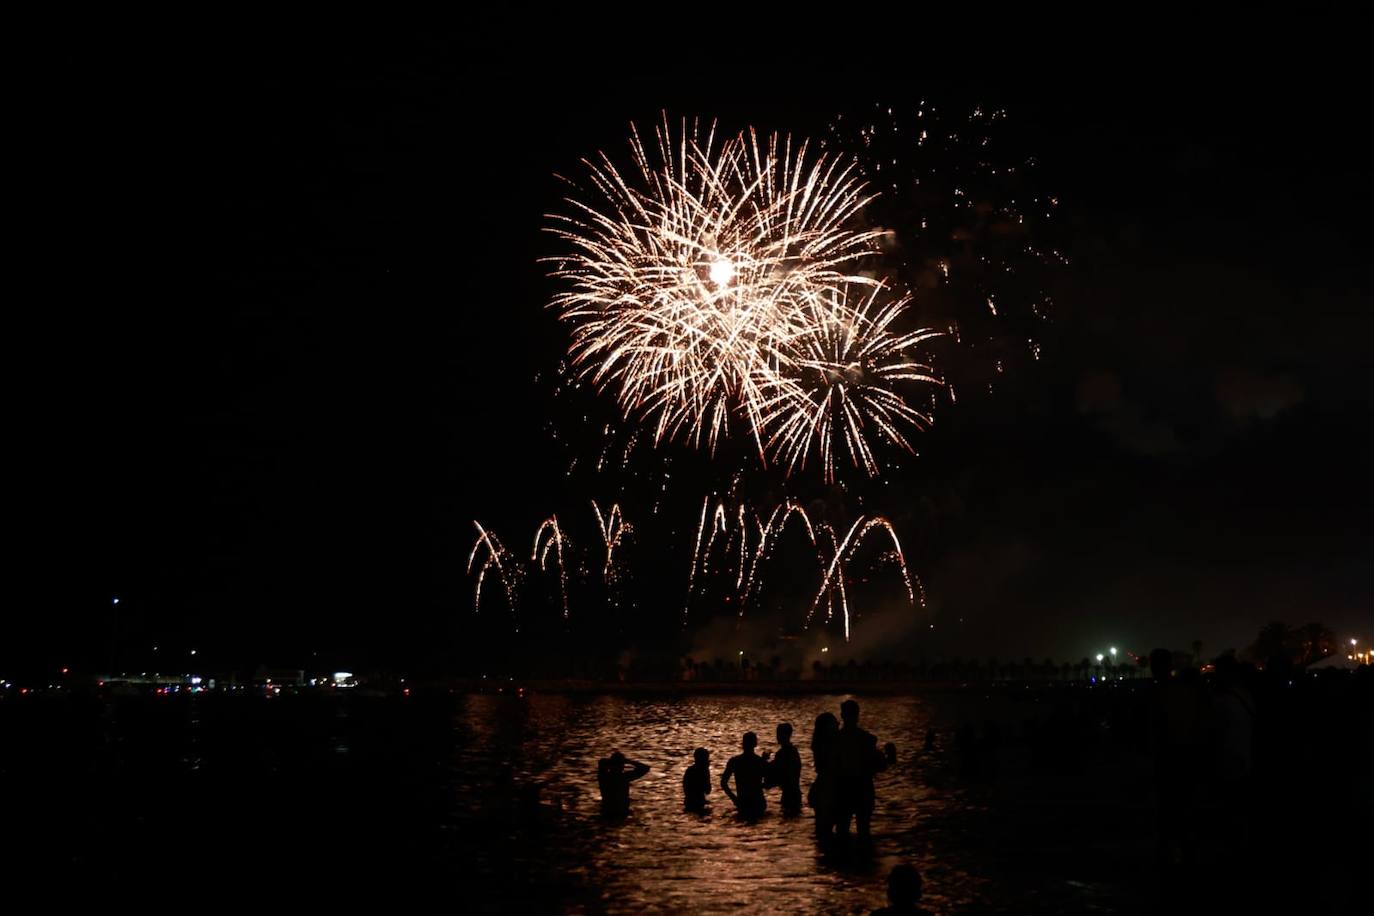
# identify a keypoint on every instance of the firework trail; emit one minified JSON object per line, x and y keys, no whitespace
{"x":843,"y":552}
{"x":554,"y":541}
{"x":507,"y":571}
{"x":833,"y":553}
{"x":777,"y":521}
{"x":696,"y":553}
{"x":746,"y":541}
{"x":613,"y":529}
{"x":701,"y":554}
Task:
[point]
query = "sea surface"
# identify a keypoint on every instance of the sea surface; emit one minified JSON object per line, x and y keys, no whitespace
{"x":488,"y":803}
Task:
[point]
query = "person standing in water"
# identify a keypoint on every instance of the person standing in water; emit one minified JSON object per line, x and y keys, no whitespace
{"x":696,"y":781}
{"x":822,"y":796}
{"x":614,"y":780}
{"x":857,"y":760}
{"x":748,"y":770}
{"x":784,"y":771}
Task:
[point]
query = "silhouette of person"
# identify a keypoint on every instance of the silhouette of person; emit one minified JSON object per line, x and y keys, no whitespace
{"x":903,"y":892}
{"x":1178,"y":738}
{"x":784,"y":771}
{"x":696,"y":781}
{"x":748,"y":770}
{"x":857,"y":761}
{"x":1234,"y":718}
{"x":822,"y":795}
{"x":614,"y":781}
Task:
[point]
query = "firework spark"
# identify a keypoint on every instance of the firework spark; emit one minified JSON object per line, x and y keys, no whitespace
{"x":974,"y":226}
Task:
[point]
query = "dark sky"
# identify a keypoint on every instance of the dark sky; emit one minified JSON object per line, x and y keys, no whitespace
{"x":296,"y":321}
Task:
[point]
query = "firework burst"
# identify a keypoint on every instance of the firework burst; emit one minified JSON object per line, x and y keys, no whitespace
{"x":849,"y":364}
{"x":711,"y":286}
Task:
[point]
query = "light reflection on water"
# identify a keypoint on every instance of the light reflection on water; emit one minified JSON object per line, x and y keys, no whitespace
{"x":492,"y":801}
{"x":661,"y":858}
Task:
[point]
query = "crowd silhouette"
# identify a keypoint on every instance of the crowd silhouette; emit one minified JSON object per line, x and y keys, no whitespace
{"x":845,"y":758}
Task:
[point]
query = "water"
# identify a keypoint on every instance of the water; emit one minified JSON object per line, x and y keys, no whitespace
{"x":488,"y":803}
{"x":663,"y":859}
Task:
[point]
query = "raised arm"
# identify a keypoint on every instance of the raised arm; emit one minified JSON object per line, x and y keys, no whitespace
{"x":637,"y":770}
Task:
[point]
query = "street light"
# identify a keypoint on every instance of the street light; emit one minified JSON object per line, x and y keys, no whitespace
{"x":114,"y":633}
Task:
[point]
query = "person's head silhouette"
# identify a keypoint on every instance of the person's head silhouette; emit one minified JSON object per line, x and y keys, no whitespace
{"x":785,"y":733}
{"x":903,"y":886}
{"x":702,"y":756}
{"x":750,"y":742}
{"x":1161,"y":661}
{"x":1227,"y":671}
{"x":849,"y":713}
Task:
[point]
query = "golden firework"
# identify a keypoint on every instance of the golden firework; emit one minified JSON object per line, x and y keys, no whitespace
{"x":713,"y":285}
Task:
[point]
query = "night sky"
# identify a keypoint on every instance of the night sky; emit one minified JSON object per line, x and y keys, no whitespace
{"x":294,"y":342}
